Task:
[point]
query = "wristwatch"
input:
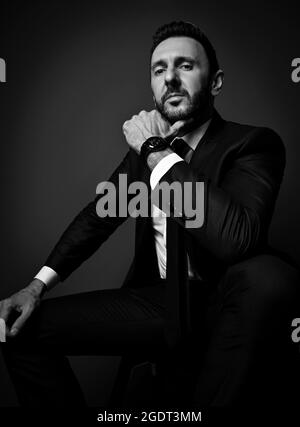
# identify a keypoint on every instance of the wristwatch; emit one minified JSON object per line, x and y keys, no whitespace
{"x":152,"y":144}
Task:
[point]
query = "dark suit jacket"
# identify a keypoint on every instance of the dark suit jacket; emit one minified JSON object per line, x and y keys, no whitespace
{"x":241,"y":167}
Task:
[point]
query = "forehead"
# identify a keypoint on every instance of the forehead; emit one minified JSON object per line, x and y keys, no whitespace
{"x":178,"y":46}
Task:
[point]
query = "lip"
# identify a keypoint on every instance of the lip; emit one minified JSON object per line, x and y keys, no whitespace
{"x":174,"y":95}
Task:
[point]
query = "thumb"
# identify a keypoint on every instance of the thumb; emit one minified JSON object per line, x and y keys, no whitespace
{"x":175,"y":128}
{"x":178,"y":128}
{"x":19,"y":323}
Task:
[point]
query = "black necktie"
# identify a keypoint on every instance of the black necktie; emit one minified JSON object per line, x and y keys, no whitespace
{"x":180,"y":147}
{"x":177,"y":313}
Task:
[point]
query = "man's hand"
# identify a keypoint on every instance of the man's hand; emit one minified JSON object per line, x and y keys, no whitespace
{"x":146,"y":124}
{"x":24,"y":302}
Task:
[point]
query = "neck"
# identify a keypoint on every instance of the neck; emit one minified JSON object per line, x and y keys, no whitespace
{"x":193,"y":126}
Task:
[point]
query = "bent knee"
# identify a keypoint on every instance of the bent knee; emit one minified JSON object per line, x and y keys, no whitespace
{"x":267,"y":277}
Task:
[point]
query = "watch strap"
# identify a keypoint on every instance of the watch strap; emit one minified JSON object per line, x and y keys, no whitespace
{"x":151,"y":145}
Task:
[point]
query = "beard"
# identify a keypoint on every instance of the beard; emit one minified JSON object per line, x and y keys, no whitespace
{"x":190,"y":107}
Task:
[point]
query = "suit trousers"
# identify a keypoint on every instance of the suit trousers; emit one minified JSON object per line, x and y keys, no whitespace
{"x":241,"y":354}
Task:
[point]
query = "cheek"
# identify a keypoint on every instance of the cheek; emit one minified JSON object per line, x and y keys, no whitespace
{"x":156,"y":86}
{"x":157,"y":90}
{"x":193,"y":83}
{"x":193,"y":86}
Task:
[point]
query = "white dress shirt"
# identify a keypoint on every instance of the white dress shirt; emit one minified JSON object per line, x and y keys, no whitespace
{"x":159,"y":217}
{"x":48,"y":276}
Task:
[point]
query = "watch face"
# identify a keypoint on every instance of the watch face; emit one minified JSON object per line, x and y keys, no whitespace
{"x":156,"y":142}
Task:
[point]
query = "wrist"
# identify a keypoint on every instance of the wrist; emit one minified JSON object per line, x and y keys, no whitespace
{"x":37,"y":287}
{"x":152,"y":145}
{"x":154,"y":158}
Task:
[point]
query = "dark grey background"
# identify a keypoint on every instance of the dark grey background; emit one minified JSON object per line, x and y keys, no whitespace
{"x":75,"y":72}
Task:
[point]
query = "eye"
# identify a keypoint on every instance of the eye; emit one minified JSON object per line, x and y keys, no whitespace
{"x":187,"y":66}
{"x":158,"y":71}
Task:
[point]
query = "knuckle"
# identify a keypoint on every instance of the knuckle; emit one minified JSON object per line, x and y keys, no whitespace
{"x":29,"y":307}
{"x":7,"y":303}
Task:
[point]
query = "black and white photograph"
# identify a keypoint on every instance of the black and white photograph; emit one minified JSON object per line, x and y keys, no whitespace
{"x":150,"y":212}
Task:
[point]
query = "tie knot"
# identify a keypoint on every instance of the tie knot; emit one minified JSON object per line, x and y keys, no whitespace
{"x":180,"y":147}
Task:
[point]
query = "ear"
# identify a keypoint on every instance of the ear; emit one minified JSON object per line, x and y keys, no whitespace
{"x":217,"y":82}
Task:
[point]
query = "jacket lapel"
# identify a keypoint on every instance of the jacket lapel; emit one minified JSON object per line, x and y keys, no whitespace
{"x":177,"y":315}
{"x":209,"y":140}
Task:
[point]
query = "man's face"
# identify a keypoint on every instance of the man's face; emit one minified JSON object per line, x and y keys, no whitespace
{"x":180,"y":67}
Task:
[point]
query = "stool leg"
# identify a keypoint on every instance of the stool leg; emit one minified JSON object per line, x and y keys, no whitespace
{"x":121,"y":382}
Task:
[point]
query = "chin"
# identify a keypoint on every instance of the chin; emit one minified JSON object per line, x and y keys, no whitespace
{"x":176,"y":113}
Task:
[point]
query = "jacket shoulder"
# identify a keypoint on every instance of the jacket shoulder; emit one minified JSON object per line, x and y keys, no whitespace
{"x":246,"y":129}
{"x":260,"y":137}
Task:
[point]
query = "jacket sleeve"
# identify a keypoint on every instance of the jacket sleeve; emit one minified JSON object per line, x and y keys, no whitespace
{"x":86,"y":232}
{"x":238,"y":209}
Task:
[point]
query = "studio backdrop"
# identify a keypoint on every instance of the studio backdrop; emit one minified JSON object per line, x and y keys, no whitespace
{"x":71,"y":74}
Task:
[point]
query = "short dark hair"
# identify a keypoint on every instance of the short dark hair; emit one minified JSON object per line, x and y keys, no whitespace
{"x":187,"y":29}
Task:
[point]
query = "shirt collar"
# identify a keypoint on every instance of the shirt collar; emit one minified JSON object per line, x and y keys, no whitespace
{"x":193,"y":138}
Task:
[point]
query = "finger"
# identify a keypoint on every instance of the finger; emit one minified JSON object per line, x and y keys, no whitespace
{"x":162,"y":128}
{"x":141,"y":118}
{"x":143,"y":113}
{"x":141,"y":128}
{"x":180,"y":127}
{"x":5,"y":309}
{"x":177,"y":125}
{"x":161,"y":122}
{"x":2,"y":330}
{"x":146,"y":118}
{"x":124,"y":127}
{"x":20,"y":321}
{"x":175,"y":128}
{"x":156,"y":113}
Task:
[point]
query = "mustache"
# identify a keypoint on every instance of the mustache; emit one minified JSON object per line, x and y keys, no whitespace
{"x":170,"y":92}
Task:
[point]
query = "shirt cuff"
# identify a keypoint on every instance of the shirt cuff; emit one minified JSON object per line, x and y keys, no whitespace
{"x":162,"y":167}
{"x":48,"y":276}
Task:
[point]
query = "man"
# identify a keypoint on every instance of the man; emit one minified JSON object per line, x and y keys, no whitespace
{"x":243,"y":294}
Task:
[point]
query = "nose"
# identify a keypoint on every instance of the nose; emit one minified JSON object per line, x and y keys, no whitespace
{"x":171,"y":76}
